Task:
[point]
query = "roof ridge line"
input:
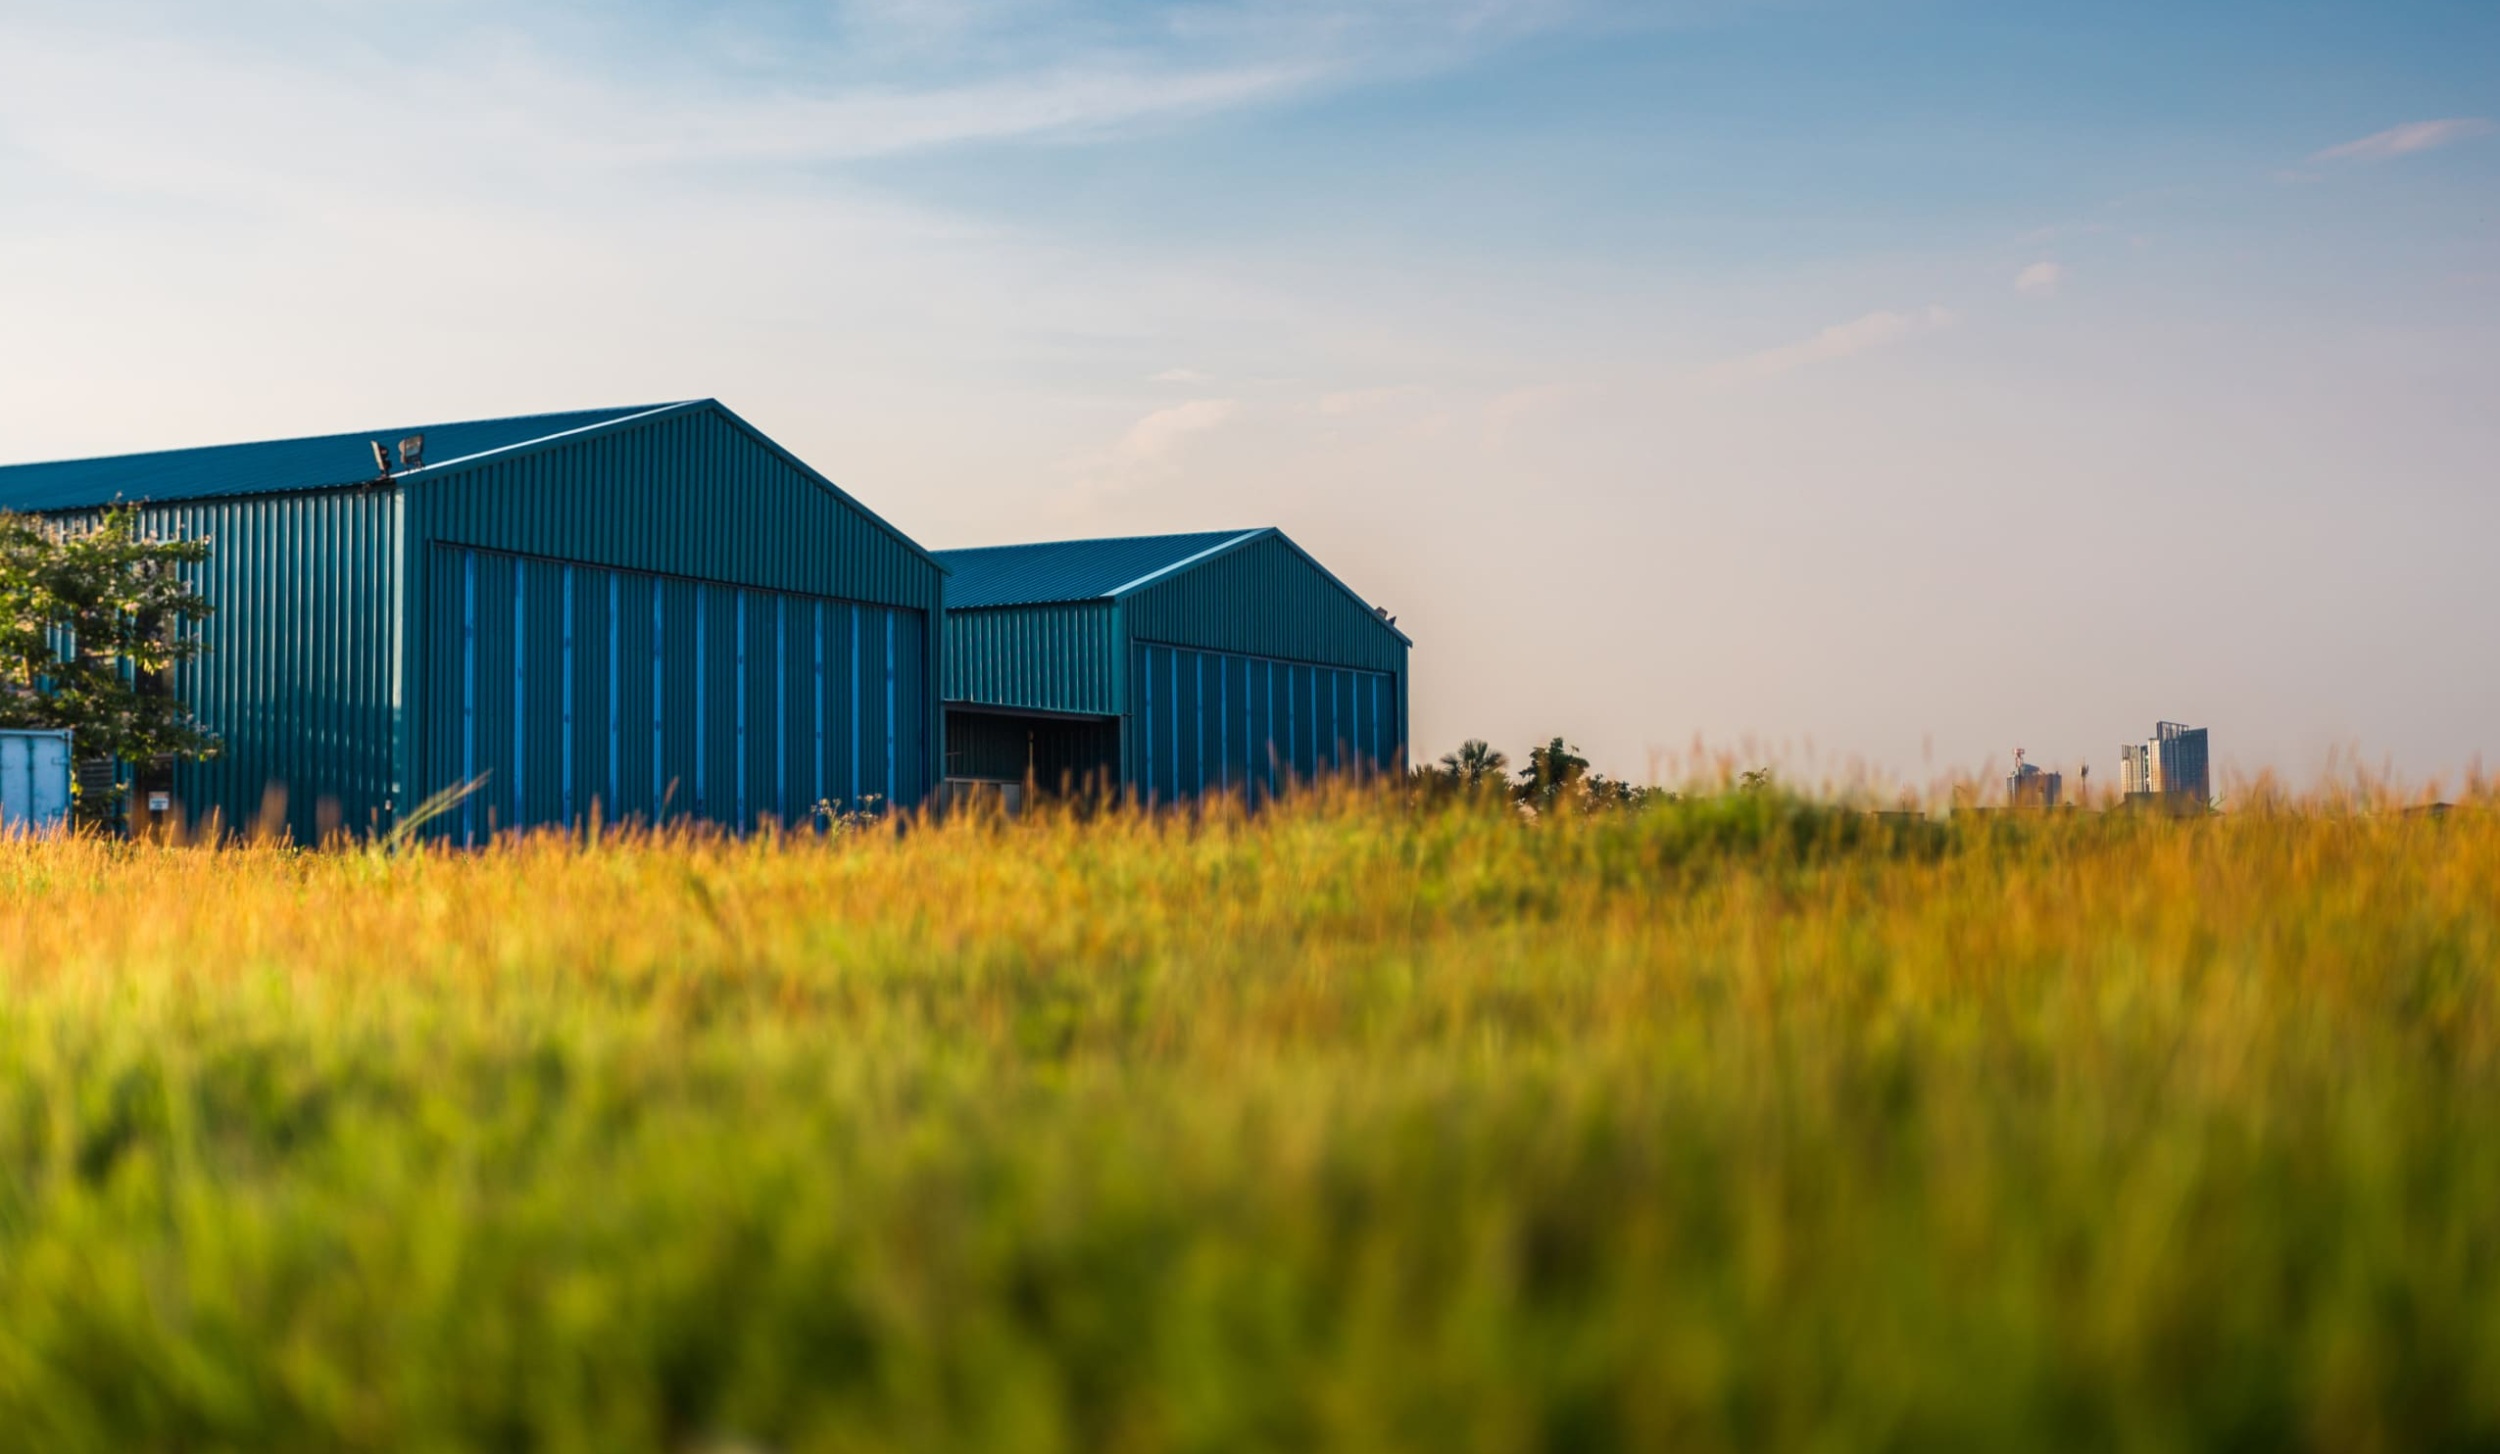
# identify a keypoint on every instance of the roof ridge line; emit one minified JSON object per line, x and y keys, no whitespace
{"x":1216,"y":549}
{"x":543,"y":438}
{"x":1093,"y":540}
{"x":133,"y":455}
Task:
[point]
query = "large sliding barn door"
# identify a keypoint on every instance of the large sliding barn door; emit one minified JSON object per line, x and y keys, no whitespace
{"x":1222,"y":722}
{"x":571,"y":688}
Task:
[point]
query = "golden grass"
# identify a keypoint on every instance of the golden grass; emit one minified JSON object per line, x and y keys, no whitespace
{"x":1738,"y":1123}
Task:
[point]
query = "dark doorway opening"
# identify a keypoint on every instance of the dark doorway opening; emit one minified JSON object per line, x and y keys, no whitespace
{"x":1058,"y":755}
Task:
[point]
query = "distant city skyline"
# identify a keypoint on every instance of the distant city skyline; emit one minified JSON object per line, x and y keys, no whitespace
{"x":1875,"y":383}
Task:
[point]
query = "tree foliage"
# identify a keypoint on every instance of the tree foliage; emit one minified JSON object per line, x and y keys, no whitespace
{"x":1552,"y":777}
{"x":1476,"y":766}
{"x":90,"y":620}
{"x":1556,"y":779}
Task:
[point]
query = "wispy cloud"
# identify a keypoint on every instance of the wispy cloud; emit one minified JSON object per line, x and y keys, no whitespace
{"x":869,"y":78}
{"x":2405,"y":140}
{"x":1153,"y":439}
{"x":2040,"y":279}
{"x":753,"y":83}
{"x":1181,"y":376}
{"x":1147,"y":451}
{"x":1858,"y":335}
{"x":1075,"y":105}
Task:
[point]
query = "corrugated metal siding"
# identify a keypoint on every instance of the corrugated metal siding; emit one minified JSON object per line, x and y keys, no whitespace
{"x":689,"y":494}
{"x":573,"y":689}
{"x":1265,"y":600}
{"x":728,"y":528}
{"x":1057,"y":658}
{"x":297,"y":678}
{"x":1224,"y":722}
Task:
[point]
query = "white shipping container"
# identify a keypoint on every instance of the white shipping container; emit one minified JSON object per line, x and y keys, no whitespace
{"x":34,"y":780}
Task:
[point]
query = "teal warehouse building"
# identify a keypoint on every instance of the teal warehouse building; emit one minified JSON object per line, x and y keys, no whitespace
{"x":651,"y":613}
{"x":1167,"y":667}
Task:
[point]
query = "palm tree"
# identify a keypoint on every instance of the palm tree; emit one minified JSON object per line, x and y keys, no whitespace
{"x":1475,"y":764}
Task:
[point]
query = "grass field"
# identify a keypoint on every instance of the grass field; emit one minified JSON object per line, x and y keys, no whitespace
{"x":1734,"y":1124}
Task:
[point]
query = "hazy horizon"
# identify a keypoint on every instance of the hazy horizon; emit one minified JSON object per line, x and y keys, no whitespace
{"x":1892,"y":383}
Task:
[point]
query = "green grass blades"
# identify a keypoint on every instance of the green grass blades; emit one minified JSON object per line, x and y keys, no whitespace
{"x":1738,"y":1123}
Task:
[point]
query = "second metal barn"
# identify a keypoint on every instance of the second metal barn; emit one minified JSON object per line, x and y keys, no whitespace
{"x":1166,"y":667}
{"x":651,"y":613}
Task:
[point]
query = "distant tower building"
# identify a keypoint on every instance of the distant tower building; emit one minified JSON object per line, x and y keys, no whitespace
{"x":2174,"y":766}
{"x":2029,"y":787}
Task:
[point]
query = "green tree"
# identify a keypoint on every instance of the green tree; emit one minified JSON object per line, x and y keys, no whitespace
{"x":91,"y":628}
{"x":1476,"y":765}
{"x":1558,"y":778}
{"x":1552,"y":778}
{"x":1601,"y":791}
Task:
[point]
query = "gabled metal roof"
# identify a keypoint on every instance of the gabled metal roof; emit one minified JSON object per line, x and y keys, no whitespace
{"x":1058,"y":572}
{"x":1074,"y":570}
{"x":281,"y":465}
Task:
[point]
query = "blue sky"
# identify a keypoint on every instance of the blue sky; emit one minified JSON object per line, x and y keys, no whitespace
{"x":1889,"y":384}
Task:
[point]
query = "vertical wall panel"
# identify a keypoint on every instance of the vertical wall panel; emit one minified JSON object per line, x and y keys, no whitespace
{"x":1294,"y":739}
{"x":915,"y":739}
{"x":792,"y":722}
{"x":491,"y":692}
{"x":542,"y":733}
{"x":1226,"y":717}
{"x":868,"y":753}
{"x":1188,"y":723}
{"x":842,"y":706}
{"x":447,"y":668}
{"x":1258,"y":728}
{"x":594,"y":706}
{"x":893,"y":720}
{"x":717,"y":695}
{"x":682,"y":733}
{"x":759,"y":710}
{"x":634,"y":651}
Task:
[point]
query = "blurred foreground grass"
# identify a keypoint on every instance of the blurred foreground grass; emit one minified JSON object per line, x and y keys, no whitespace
{"x":1738,"y":1123}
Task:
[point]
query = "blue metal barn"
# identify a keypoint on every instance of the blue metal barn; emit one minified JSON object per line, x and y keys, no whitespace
{"x":1167,"y":667}
{"x":650,"y":612}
